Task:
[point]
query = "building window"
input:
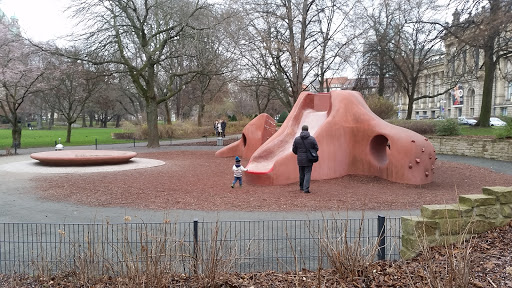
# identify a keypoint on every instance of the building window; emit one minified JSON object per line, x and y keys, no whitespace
{"x":504,"y":111}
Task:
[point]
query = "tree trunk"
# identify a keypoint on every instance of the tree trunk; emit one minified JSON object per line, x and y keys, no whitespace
{"x":168,"y":113}
{"x":118,"y":121}
{"x":490,"y":69}
{"x":381,"y":87}
{"x":152,"y":114}
{"x":104,"y":120}
{"x":16,"y":134}
{"x":68,"y":134}
{"x":52,"y":119}
{"x":84,"y":123}
{"x":178,"y":105}
{"x":200,"y":112}
{"x":39,"y":121}
{"x":91,"y":119}
{"x":409,"y":109}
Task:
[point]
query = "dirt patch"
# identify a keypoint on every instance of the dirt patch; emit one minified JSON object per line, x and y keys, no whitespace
{"x":197,"y":180}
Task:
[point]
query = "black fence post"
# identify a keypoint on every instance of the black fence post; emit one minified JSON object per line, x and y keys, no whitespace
{"x":96,"y":143}
{"x":381,"y":227}
{"x":196,"y":245}
{"x":133,"y":142}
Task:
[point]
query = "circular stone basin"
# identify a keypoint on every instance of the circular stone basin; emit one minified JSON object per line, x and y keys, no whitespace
{"x":83,"y":157}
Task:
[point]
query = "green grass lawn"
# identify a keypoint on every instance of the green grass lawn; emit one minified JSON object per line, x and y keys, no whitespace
{"x":477,"y":131}
{"x":47,"y":138}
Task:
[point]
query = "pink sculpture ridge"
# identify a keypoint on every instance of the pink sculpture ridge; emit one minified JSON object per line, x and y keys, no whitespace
{"x":255,"y":133}
{"x":83,"y":157}
{"x":352,"y":140}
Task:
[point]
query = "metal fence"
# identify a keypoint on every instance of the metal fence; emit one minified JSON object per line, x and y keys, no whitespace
{"x":190,"y":247}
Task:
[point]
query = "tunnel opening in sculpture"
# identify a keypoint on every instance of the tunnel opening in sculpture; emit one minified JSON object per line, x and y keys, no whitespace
{"x":244,"y":140}
{"x":378,"y":146}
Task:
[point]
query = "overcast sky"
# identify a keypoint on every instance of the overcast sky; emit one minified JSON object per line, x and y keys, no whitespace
{"x":40,"y":20}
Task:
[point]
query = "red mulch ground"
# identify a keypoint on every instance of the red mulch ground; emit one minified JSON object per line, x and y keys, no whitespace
{"x":197,"y":180}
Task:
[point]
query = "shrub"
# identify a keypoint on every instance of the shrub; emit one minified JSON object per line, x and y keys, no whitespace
{"x":282,"y":117}
{"x":382,"y":107}
{"x":423,"y":127}
{"x":188,"y":129}
{"x":448,"y":127}
{"x":124,"y":135}
{"x":505,"y":131}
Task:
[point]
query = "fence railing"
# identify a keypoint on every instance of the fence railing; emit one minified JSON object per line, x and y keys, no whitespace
{"x":189,"y":247}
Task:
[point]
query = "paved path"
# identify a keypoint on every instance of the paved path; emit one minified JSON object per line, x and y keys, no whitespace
{"x":18,"y":204}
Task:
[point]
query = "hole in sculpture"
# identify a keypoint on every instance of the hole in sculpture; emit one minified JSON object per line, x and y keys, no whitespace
{"x":244,"y":139}
{"x":378,"y":146}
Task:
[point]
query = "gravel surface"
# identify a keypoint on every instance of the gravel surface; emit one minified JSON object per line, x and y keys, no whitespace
{"x":197,"y":180}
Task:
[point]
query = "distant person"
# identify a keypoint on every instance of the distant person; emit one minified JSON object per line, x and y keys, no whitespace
{"x":237,"y":170}
{"x":219,"y":129}
{"x":216,"y":128}
{"x":223,"y":128}
{"x":301,"y":144}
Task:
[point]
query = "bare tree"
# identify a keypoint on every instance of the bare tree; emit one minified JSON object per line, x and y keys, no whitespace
{"x":337,"y":29}
{"x":487,"y":27}
{"x":282,"y":35}
{"x":376,"y":47}
{"x":73,"y":85}
{"x":20,"y":73}
{"x":293,"y":45}
{"x":138,"y":36}
{"x":415,"y":42}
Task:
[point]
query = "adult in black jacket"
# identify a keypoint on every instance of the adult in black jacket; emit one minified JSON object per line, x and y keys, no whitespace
{"x":223,"y":127}
{"x":301,"y":144}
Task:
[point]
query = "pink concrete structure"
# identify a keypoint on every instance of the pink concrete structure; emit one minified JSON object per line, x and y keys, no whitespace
{"x":255,"y":133}
{"x":83,"y":157}
{"x":351,"y":140}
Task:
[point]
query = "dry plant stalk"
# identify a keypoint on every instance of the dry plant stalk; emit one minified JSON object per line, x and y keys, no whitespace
{"x":457,"y":264}
{"x":216,"y":258}
{"x":349,"y":259}
{"x":158,"y":256}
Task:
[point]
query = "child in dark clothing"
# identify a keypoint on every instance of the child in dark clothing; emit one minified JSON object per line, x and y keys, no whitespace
{"x":238,"y":169}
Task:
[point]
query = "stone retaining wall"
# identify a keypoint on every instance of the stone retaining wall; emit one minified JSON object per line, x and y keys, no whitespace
{"x":450,"y":223}
{"x":498,"y":149}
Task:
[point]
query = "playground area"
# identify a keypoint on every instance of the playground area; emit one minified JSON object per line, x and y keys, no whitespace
{"x":197,"y":180}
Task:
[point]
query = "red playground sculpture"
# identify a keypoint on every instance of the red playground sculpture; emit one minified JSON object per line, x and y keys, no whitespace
{"x":351,"y":140}
{"x":255,"y":133}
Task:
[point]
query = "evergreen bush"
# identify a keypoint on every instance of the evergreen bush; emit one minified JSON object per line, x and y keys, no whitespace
{"x":382,"y":107}
{"x":505,"y":131}
{"x":448,"y":127}
{"x":282,"y":117}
